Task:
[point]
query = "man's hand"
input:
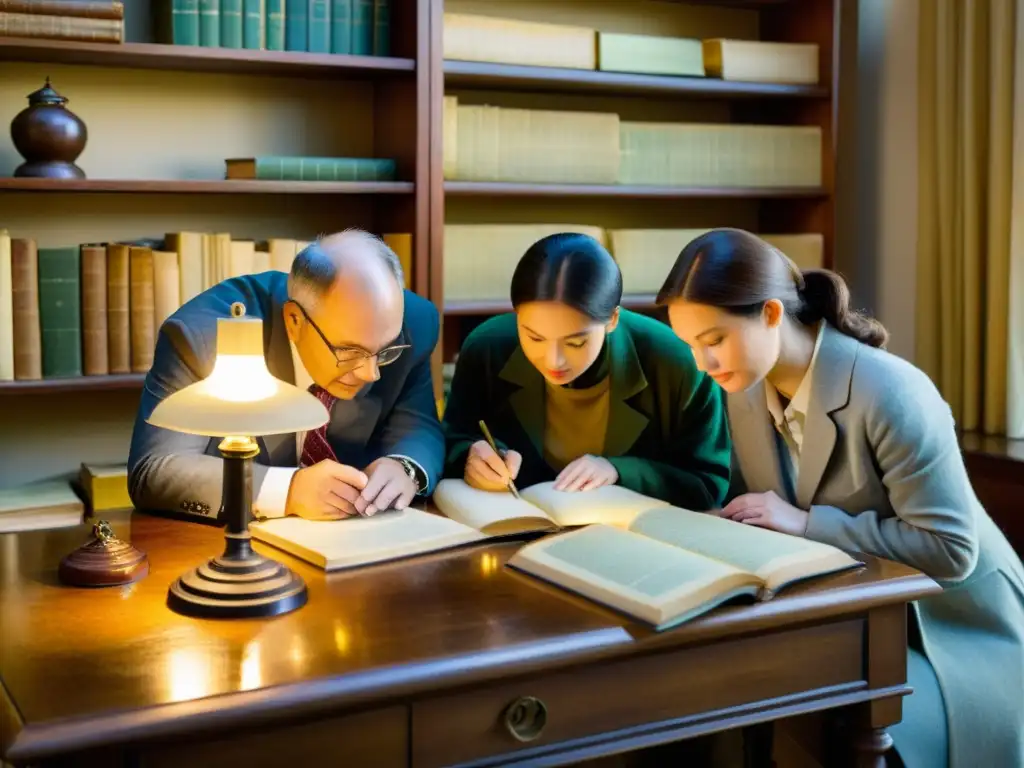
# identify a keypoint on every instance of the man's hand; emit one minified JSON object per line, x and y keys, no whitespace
{"x":586,"y":473}
{"x":487,"y":470}
{"x":388,"y":487}
{"x":767,"y":510}
{"x":325,"y":491}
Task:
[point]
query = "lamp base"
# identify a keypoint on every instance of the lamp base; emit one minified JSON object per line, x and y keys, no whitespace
{"x":239,"y":583}
{"x":237,"y":587}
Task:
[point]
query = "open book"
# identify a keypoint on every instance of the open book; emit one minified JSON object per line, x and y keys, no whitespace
{"x":672,"y":565}
{"x":468,"y":515}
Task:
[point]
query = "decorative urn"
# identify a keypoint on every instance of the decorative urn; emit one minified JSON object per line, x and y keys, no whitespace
{"x":49,"y":136}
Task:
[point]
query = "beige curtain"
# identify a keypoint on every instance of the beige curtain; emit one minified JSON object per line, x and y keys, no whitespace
{"x":965,"y":167}
{"x":1015,"y":362}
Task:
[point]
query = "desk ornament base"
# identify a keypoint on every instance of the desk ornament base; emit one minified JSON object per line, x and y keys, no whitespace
{"x":105,"y":561}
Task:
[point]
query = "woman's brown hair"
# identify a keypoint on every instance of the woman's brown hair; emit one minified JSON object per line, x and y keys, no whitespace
{"x":738,"y":272}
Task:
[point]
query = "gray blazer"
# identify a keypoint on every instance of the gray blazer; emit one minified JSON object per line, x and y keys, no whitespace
{"x":881,"y":473}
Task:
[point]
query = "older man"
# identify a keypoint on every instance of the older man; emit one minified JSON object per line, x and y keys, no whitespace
{"x":342,"y":325}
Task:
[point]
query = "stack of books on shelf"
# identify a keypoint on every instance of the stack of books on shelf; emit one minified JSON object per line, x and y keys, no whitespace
{"x":360,"y":27}
{"x":645,"y":256}
{"x":96,"y":309}
{"x":486,"y":143}
{"x":91,"y":21}
{"x":508,"y":41}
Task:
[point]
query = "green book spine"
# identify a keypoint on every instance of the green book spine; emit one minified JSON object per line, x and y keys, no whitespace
{"x":60,"y":311}
{"x":296,"y":25}
{"x":252,"y":25}
{"x":274,"y":32}
{"x":324,"y":169}
{"x":362,"y":27}
{"x":231,"y":23}
{"x":209,"y":23}
{"x":341,"y":26}
{"x":381,"y":27}
{"x":176,"y":22}
{"x":319,"y":26}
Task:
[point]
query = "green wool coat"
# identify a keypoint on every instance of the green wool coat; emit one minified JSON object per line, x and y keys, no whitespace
{"x":881,"y":472}
{"x":667,"y":433}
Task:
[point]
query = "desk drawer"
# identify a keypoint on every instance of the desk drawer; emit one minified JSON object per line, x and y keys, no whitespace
{"x":608,"y":696}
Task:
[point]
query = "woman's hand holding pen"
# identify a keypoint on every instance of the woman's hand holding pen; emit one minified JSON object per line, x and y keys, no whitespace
{"x":488,"y":471}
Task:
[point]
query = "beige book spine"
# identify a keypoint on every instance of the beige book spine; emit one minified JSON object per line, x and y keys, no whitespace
{"x":650,"y":55}
{"x":508,"y":41}
{"x":282,"y":253}
{"x":95,"y":343}
{"x":6,"y":308}
{"x":118,"y":308}
{"x":241,"y":257}
{"x":189,"y":247}
{"x":469,"y":277}
{"x":142,"y":313}
{"x":450,"y":136}
{"x":166,"y":286}
{"x":762,"y":62}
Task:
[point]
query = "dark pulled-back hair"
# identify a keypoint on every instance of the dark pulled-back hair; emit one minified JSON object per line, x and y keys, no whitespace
{"x":738,"y":272}
{"x":570,"y":268}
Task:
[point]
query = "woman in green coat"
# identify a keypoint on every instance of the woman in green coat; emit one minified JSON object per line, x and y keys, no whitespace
{"x":844,"y":443}
{"x":576,"y":390}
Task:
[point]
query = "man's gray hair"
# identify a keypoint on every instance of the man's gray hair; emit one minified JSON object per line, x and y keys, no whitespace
{"x":314,"y":270}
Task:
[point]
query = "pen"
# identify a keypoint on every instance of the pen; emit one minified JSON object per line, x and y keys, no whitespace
{"x":494,"y":447}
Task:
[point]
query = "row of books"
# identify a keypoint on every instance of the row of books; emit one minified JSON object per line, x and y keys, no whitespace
{"x":486,"y":143}
{"x":361,"y":27}
{"x":96,"y":309}
{"x":94,"y":21}
{"x":645,"y":256}
{"x":470,"y":37}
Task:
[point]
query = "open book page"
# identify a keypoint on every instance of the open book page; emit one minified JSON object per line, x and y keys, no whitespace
{"x":609,"y":504}
{"x":776,"y":558}
{"x":655,"y":582}
{"x":334,"y":544}
{"x":496,"y":513}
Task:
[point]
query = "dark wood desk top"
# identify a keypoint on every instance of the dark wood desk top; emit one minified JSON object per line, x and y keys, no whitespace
{"x":79,"y":665}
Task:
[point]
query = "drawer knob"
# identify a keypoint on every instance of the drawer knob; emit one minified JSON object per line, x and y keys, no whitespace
{"x":525,"y":718}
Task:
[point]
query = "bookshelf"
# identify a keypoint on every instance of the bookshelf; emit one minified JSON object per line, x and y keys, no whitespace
{"x":162,"y":118}
{"x":635,"y":97}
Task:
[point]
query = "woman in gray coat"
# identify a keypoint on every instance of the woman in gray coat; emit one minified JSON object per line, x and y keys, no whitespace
{"x":842,"y":442}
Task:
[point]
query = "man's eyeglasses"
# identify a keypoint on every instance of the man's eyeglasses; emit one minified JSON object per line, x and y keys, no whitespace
{"x":353,"y":357}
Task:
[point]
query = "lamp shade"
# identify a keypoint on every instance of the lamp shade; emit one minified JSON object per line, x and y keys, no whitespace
{"x":240,"y":397}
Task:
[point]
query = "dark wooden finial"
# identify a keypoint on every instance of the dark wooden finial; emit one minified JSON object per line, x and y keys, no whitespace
{"x":103,"y":561}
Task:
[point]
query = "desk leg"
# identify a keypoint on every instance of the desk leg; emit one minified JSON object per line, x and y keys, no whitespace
{"x":871,"y":747}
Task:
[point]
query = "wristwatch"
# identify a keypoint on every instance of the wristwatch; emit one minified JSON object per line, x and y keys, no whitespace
{"x":413,"y":472}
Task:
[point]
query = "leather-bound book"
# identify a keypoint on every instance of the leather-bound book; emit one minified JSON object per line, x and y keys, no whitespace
{"x":95,"y":356}
{"x":28,"y":349}
{"x":142,"y":310}
{"x":60,"y":311}
{"x":118,"y":338}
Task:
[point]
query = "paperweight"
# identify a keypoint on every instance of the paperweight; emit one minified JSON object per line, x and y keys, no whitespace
{"x":104,"y":561}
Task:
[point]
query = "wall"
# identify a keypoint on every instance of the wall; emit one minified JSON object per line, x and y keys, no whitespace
{"x":880,"y":259}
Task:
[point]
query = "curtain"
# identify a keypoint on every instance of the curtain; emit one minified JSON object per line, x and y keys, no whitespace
{"x":1015,"y":347}
{"x":966,"y":178}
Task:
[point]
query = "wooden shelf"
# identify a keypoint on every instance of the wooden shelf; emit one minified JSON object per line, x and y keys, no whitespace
{"x":494,"y":306}
{"x":473,"y":74}
{"x":211,"y":187}
{"x":510,"y":189}
{"x":187,"y":58}
{"x":76,"y":384}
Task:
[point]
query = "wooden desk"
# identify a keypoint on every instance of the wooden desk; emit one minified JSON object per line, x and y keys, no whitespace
{"x":414,"y":663}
